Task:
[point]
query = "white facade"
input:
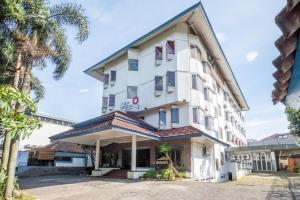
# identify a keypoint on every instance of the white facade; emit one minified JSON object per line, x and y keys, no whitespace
{"x":40,"y":137}
{"x":176,"y":77}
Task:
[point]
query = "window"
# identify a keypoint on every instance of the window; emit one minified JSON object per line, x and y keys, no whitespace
{"x":158,"y":53}
{"x":158,"y":83}
{"x":174,"y":115}
{"x":113,"y":75}
{"x":63,"y":159}
{"x":195,"y":115}
{"x":104,"y":102}
{"x":206,"y":94}
{"x":225,"y":95}
{"x":221,"y":133}
{"x":216,"y":112}
{"x":194,"y":81}
{"x":177,"y":156}
{"x":220,"y":111}
{"x":209,"y":123}
{"x":195,"y":52}
{"x":133,"y":65}
{"x":206,"y":68}
{"x":111,"y":100}
{"x":162,"y":118}
{"x":228,"y":136}
{"x":171,"y":78}
{"x":217,"y":164}
{"x":131,"y":92}
{"x":222,"y":158}
{"x":106,"y":79}
{"x":227,"y":116}
{"x":170,"y":46}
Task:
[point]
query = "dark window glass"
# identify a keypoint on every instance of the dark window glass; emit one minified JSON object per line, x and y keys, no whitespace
{"x":113,"y":75}
{"x":195,"y":115}
{"x":158,"y":53}
{"x":63,"y":159}
{"x":112,"y":100}
{"x":133,"y":65}
{"x":162,"y":118}
{"x":131,"y":92}
{"x":177,"y":156}
{"x":159,"y":83}
{"x":106,"y":79}
{"x":206,"y":94}
{"x":206,"y":68}
{"x":209,"y":123}
{"x":104,"y":102}
{"x":170,"y":47}
{"x":194,"y":81}
{"x":174,"y":115}
{"x":171,"y":78}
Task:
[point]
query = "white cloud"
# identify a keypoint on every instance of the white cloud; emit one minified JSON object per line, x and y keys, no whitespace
{"x":251,"y":56}
{"x":222,"y":37}
{"x":83,"y":90}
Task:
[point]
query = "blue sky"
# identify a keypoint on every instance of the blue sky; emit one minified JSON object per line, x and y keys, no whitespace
{"x":245,"y":29}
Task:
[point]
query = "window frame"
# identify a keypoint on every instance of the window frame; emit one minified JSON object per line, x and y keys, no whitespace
{"x":110,"y":102}
{"x":174,"y":117}
{"x":132,"y":87}
{"x":105,"y":105}
{"x":113,"y":75}
{"x":170,"y":82}
{"x":160,"y":118}
{"x":159,"y":86}
{"x":131,"y":67}
{"x":194,"y":78}
{"x":196,"y":119}
{"x":106,"y":79}
{"x":158,"y":53}
{"x":170,"y":47}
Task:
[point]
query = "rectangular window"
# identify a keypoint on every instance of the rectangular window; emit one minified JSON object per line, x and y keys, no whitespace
{"x":170,"y":46}
{"x":174,"y":115}
{"x":113,"y":75}
{"x":112,"y":100}
{"x":195,"y":115}
{"x":106,"y":79}
{"x":221,"y":133}
{"x":206,"y":94}
{"x":220,"y":111}
{"x":222,"y":158}
{"x":194,"y":81}
{"x":195,"y":52}
{"x":63,"y":159}
{"x":131,"y":92}
{"x":206,"y":68}
{"x":171,"y":78}
{"x":227,"y":116}
{"x":158,"y":53}
{"x":209,"y":123}
{"x":162,"y":118}
{"x":158,"y":83}
{"x":104,"y":102}
{"x":133,"y":65}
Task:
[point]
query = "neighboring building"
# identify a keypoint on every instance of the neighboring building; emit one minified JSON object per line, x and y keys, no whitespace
{"x":277,"y":152}
{"x":59,"y":154}
{"x":173,"y":85}
{"x":50,"y":126}
{"x":287,"y":85}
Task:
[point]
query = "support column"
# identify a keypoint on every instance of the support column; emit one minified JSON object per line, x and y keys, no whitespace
{"x":133,"y":153}
{"x":97,"y":159}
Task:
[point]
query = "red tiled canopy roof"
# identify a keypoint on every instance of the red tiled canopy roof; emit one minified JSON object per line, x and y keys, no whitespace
{"x":288,"y":20}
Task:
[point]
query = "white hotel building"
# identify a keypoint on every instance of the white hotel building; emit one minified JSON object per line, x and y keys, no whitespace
{"x":172,"y":85}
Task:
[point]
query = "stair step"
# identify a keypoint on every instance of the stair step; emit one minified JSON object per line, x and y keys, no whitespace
{"x":117,"y":173}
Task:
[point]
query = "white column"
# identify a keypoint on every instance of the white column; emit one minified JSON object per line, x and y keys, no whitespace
{"x":97,"y":159}
{"x":133,"y":153}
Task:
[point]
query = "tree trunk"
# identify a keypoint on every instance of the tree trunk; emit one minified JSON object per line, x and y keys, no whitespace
{"x":7,"y":139}
{"x":16,"y":141}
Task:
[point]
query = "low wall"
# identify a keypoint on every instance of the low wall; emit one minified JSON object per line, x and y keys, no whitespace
{"x":31,"y":171}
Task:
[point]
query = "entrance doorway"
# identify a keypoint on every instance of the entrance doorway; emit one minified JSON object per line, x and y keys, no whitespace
{"x":142,"y":158}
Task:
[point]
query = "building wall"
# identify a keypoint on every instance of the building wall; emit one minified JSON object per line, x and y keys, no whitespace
{"x":76,"y":162}
{"x":41,"y":136}
{"x":184,"y":97}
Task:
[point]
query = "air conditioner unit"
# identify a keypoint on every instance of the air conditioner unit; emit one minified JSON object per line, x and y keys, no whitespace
{"x":158,"y":93}
{"x":171,"y":89}
{"x":158,"y":62}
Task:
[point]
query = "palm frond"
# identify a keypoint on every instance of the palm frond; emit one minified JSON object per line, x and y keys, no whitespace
{"x":37,"y":88}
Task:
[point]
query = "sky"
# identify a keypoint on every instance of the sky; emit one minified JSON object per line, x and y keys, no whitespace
{"x":246,"y":31}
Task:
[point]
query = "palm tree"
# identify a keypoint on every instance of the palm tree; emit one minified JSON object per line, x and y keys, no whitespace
{"x":41,"y":38}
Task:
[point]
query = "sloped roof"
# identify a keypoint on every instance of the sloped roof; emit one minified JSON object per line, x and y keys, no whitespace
{"x":209,"y":38}
{"x":125,"y":121}
{"x":288,"y":20}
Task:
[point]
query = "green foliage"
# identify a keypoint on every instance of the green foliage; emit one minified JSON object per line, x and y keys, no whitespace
{"x":3,"y":179}
{"x":168,"y":174}
{"x":293,"y":117}
{"x":153,"y":174}
{"x":14,"y":122}
{"x":165,"y":149}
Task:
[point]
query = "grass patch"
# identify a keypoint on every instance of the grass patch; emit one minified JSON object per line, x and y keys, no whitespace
{"x":24,"y":197}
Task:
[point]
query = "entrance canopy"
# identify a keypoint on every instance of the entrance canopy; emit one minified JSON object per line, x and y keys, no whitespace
{"x":119,"y":127}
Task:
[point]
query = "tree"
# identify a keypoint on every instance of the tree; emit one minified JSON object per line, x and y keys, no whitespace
{"x":16,"y":124}
{"x":38,"y":36}
{"x":293,"y":117}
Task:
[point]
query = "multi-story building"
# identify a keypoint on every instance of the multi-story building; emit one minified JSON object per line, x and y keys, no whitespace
{"x":173,"y":84}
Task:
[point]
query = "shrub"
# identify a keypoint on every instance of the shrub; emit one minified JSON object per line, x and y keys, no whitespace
{"x":168,"y":174}
{"x":151,"y":174}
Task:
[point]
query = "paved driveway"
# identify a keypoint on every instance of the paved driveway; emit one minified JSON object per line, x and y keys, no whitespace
{"x":82,"y":187}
